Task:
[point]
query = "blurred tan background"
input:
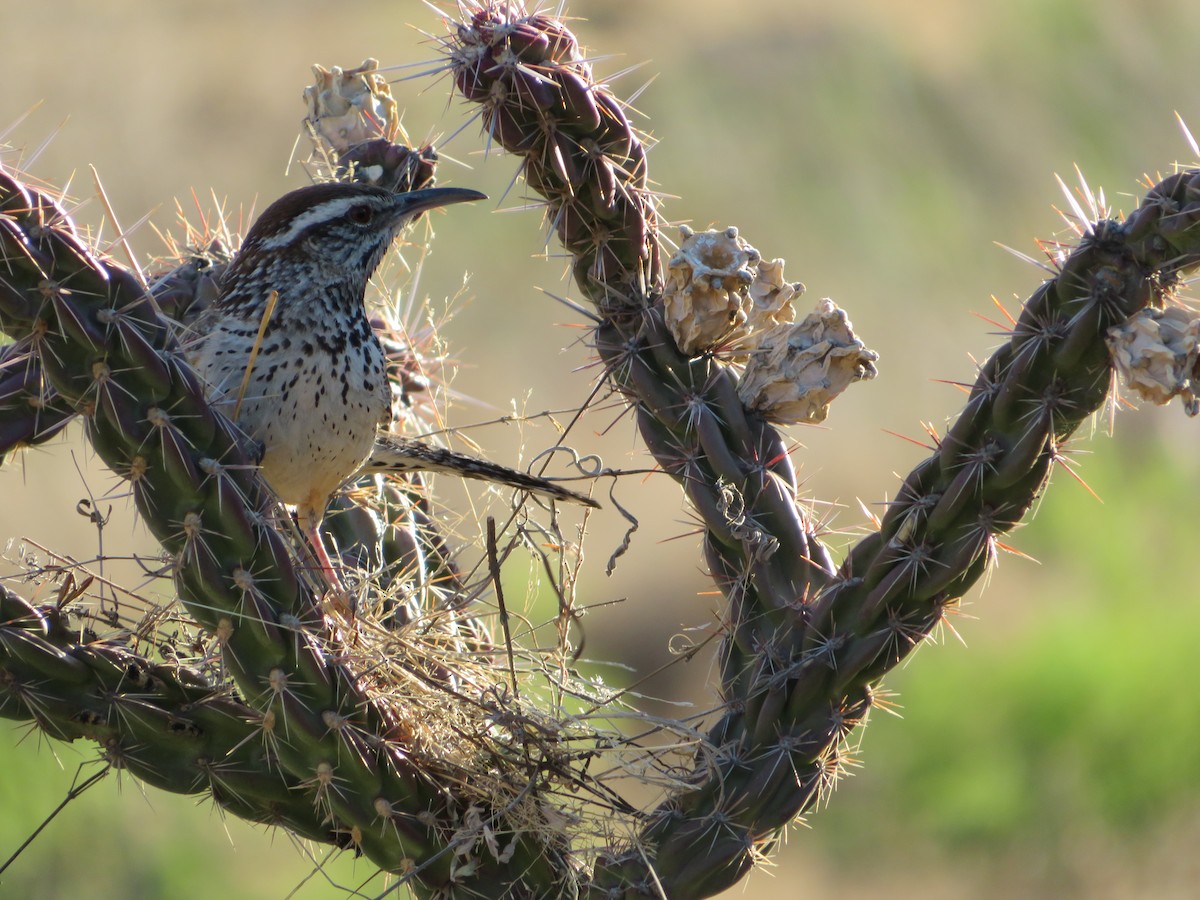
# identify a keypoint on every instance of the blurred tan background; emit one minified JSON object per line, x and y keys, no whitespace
{"x":884,"y":148}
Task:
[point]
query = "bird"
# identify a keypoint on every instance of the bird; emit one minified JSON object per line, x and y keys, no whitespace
{"x":289,"y":354}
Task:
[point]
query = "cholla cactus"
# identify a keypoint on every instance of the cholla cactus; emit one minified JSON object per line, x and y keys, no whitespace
{"x":403,"y":735}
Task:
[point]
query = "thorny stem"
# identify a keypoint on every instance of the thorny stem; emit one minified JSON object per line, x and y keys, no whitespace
{"x":806,"y":643}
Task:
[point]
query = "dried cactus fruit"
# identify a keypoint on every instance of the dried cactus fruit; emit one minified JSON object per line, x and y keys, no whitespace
{"x":1156,"y":352}
{"x":349,"y":106}
{"x":796,"y":371}
{"x":706,"y":297}
{"x":354,"y":124}
{"x":771,"y":299}
{"x":720,"y":292}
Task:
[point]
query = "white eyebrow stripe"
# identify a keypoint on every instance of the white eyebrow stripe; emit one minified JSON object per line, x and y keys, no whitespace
{"x":330,"y":209}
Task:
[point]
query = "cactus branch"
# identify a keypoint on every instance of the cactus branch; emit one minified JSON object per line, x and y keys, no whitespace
{"x":163,"y":723}
{"x":805,"y":644}
{"x":106,"y":351}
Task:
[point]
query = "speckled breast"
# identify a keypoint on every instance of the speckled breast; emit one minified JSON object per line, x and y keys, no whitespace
{"x":314,"y":407}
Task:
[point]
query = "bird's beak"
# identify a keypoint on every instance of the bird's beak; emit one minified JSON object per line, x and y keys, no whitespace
{"x":414,"y":203}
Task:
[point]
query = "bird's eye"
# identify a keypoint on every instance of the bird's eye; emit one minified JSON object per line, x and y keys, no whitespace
{"x":361,"y":215}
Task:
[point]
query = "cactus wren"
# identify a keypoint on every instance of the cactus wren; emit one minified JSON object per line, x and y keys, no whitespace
{"x":290,"y":353}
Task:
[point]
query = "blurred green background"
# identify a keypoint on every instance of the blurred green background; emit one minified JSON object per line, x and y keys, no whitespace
{"x":885,"y":148}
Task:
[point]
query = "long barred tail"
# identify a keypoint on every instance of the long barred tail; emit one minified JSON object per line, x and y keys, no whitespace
{"x":393,"y":453}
